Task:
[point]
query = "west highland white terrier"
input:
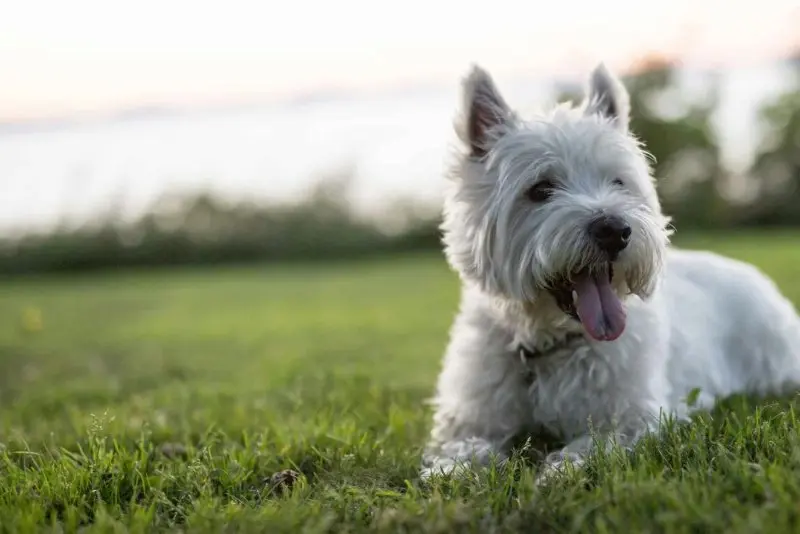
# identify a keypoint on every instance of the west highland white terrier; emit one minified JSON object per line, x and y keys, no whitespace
{"x":576,"y":315}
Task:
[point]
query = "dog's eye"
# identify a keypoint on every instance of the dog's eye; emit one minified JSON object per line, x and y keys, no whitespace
{"x":542,"y":191}
{"x":618,"y":182}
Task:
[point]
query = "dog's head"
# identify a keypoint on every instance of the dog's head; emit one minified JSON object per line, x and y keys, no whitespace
{"x":559,"y":211}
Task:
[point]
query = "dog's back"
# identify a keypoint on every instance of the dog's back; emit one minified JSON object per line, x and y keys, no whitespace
{"x":731,"y":330}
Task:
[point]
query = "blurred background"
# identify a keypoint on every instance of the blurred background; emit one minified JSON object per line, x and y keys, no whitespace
{"x":182,"y":132}
{"x":301,"y":138}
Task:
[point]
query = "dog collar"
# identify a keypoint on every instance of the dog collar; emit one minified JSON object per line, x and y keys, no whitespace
{"x":527,"y":355}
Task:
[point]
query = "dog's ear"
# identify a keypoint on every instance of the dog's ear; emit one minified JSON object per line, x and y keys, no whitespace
{"x":483,"y":111}
{"x":608,"y":97}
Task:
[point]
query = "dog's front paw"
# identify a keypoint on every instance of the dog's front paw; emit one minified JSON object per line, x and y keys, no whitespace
{"x":443,"y":467}
{"x":557,"y":465}
{"x":549,"y":472}
{"x":458,"y":458}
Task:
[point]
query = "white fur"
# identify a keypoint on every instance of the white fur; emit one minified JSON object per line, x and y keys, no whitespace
{"x":694,"y":319}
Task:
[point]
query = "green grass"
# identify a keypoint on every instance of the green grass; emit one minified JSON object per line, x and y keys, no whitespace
{"x":166,"y":400}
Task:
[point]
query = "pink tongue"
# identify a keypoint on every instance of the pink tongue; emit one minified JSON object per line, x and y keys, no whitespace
{"x":599,"y":309}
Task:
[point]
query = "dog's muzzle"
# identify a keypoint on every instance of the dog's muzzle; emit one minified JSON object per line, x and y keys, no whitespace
{"x":588,"y":294}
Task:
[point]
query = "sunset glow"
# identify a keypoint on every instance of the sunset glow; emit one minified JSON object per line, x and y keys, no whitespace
{"x":92,"y":55}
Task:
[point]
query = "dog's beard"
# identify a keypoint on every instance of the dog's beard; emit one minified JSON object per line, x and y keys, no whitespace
{"x":591,"y":289}
{"x":584,"y":282}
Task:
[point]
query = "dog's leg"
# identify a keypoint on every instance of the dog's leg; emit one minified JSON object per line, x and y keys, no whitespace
{"x":578,"y":450}
{"x":481,"y":403}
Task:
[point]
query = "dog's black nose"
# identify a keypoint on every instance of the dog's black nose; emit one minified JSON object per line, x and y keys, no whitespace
{"x":611,"y":233}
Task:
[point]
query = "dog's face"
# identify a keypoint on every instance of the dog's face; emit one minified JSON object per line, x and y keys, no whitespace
{"x":556,"y":212}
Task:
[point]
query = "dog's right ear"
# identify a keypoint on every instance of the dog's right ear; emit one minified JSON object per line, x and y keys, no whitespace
{"x":607,"y":96}
{"x":484,"y":111}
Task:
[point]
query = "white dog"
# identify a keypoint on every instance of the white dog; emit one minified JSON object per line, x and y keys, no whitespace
{"x":576,"y":316}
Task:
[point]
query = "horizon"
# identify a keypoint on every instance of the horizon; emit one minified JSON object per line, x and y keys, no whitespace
{"x":177,"y":55}
{"x":311,"y":97}
{"x":108,"y":107}
{"x":395,"y":145}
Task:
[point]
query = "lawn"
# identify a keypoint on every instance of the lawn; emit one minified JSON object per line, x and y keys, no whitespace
{"x":168,"y":400}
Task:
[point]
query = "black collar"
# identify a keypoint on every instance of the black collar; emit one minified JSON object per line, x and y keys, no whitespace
{"x":530,"y":354}
{"x":526,"y":354}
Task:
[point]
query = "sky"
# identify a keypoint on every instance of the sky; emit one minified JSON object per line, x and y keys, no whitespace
{"x":63,"y":57}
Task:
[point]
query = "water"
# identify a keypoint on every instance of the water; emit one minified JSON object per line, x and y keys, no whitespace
{"x":398,"y":144}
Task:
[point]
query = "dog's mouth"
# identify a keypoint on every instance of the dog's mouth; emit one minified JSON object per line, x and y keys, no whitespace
{"x":589,"y":298}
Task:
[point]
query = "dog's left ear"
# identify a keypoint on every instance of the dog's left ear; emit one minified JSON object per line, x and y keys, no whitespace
{"x":608,"y":97}
{"x":484,"y":112}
